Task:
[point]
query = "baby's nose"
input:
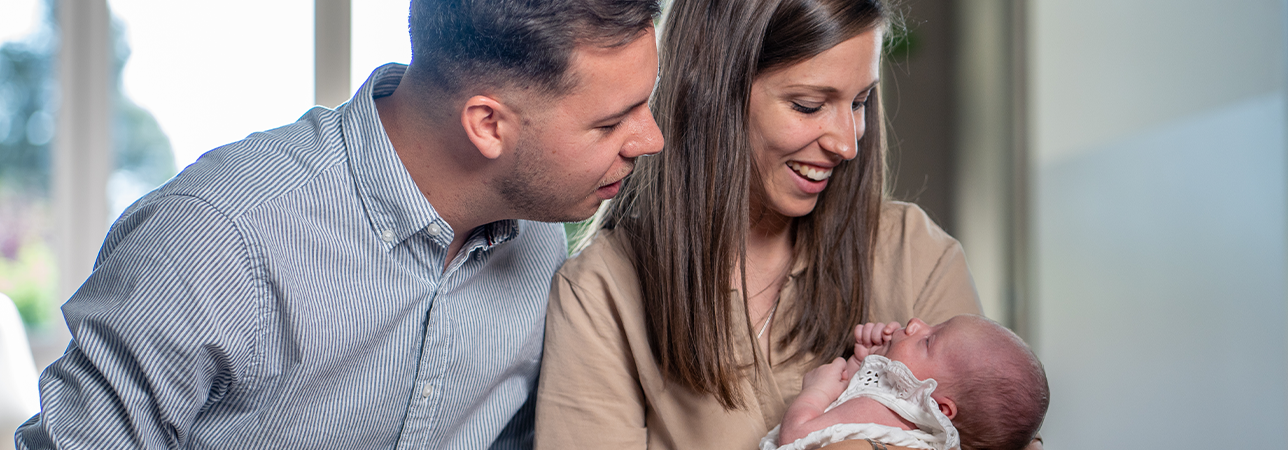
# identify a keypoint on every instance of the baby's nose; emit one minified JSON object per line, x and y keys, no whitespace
{"x":915,"y":326}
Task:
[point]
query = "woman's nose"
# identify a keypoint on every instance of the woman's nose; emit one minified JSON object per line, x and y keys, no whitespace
{"x":842,"y":136}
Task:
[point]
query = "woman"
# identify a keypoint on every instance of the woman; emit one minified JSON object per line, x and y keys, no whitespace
{"x":744,"y":254}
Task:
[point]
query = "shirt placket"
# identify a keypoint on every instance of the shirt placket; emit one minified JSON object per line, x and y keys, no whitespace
{"x":423,"y":424}
{"x":428,"y":406}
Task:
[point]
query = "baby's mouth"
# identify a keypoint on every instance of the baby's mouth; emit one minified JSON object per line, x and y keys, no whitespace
{"x":810,"y":172}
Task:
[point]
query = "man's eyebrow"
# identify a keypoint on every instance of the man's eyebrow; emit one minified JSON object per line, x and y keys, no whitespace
{"x":623,"y":112}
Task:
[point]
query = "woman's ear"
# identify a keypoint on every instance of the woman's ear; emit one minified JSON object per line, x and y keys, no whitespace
{"x":490,"y":125}
{"x":947,"y":406}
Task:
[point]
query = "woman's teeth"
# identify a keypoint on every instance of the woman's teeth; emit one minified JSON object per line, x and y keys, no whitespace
{"x":810,"y":172}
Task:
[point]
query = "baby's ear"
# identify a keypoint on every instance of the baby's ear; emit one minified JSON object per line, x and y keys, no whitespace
{"x":948,"y":407}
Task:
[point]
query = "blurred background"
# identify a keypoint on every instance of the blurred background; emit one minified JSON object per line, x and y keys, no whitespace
{"x":1117,"y":171}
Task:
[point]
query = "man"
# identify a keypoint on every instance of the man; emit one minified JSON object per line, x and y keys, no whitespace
{"x":357,"y":279}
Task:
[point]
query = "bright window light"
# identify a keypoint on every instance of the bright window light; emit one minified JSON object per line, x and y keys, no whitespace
{"x":379,"y":30}
{"x":213,"y":72}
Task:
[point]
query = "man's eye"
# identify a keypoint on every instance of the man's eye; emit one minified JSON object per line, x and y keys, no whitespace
{"x":610,"y":128}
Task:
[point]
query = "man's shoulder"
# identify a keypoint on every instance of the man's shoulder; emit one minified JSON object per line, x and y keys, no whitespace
{"x":544,"y":243}
{"x":548,"y":236}
{"x":242,"y":175}
{"x":608,"y":257}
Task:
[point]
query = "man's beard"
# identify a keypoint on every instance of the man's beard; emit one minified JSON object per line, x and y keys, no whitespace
{"x":531,"y":191}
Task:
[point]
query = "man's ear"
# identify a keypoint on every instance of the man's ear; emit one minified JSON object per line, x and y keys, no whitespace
{"x":947,"y":406}
{"x":490,"y":125}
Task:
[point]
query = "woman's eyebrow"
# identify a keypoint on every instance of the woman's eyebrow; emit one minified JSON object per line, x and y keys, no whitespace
{"x":832,"y":89}
{"x":814,"y":87}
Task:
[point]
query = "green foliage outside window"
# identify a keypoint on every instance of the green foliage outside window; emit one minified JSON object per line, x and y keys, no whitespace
{"x":28,"y":109}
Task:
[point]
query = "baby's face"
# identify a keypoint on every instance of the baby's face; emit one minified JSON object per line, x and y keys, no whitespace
{"x":937,"y":351}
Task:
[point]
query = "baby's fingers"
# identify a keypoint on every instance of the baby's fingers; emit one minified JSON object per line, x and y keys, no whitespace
{"x":868,"y":334}
{"x":889,"y":330}
{"x":852,"y":366}
{"x":861,"y":351}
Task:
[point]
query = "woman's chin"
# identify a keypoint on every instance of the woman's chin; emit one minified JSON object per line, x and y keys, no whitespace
{"x":796,"y":208}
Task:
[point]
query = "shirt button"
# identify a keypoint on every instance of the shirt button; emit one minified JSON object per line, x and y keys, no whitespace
{"x":434,"y":230}
{"x":424,"y":392}
{"x":387,"y":235}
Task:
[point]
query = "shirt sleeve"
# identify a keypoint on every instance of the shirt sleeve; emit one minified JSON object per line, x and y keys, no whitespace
{"x":589,"y":394}
{"x":160,"y":331}
{"x":920,"y":270}
{"x":517,"y":434}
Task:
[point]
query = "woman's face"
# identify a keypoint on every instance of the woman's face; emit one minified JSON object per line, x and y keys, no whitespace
{"x":807,"y":118}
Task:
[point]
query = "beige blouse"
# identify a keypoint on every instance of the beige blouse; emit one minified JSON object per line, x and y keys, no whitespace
{"x":600,"y":387}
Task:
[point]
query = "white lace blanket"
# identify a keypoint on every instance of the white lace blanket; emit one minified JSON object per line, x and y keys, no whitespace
{"x":892,"y":384}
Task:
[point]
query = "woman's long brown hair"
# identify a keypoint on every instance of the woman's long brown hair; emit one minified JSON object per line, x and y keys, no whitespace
{"x":685,"y":211}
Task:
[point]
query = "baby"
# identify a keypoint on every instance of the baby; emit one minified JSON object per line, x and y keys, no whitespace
{"x":920,"y":386}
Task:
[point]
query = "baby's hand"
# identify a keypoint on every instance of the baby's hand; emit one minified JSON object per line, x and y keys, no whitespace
{"x":819,"y":389}
{"x":870,"y":338}
{"x":825,"y":383}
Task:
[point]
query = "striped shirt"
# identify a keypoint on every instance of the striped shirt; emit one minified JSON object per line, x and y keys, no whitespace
{"x":289,"y":291}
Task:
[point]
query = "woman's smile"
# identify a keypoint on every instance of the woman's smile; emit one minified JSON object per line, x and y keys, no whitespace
{"x":806,"y":119}
{"x":813,"y":173}
{"x":810,"y":179}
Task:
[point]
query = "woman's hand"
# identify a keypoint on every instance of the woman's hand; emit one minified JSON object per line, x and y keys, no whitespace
{"x":870,"y":338}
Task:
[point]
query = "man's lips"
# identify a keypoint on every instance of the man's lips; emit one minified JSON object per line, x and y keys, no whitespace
{"x":608,"y":191}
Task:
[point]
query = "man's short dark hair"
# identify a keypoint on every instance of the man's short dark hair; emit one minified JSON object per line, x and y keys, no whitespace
{"x":526,"y":44}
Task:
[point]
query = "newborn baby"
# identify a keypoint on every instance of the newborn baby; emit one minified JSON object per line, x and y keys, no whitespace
{"x":922,"y":386}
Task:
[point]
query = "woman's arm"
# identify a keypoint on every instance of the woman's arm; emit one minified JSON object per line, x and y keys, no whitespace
{"x":862,"y":445}
{"x":589,"y":394}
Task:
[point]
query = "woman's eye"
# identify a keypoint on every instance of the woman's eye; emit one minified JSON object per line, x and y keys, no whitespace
{"x":862,"y":100}
{"x":610,"y":128}
{"x":806,"y":109}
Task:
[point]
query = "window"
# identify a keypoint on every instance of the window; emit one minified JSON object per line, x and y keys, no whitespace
{"x":181,"y":78}
{"x":211,"y":73}
{"x":379,"y":36}
{"x":27,"y":126}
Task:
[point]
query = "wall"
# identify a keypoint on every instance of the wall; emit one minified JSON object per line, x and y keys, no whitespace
{"x":1159,"y":179}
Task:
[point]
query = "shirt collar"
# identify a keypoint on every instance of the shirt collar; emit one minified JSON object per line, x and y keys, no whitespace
{"x":395,"y":205}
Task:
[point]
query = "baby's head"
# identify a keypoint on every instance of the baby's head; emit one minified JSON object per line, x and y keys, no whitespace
{"x":990,"y":384}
